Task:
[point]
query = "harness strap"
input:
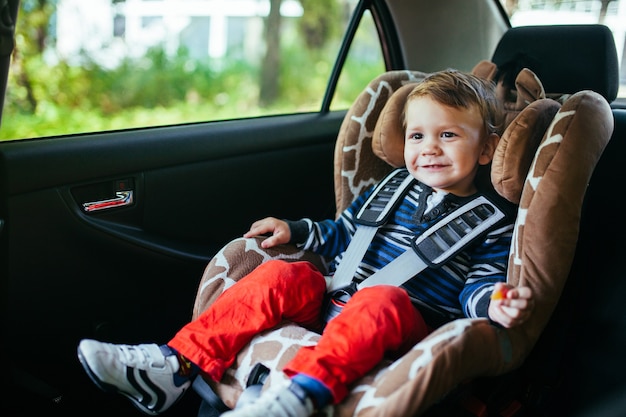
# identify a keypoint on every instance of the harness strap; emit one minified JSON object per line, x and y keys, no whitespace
{"x":439,"y":243}
{"x":385,"y":197}
{"x":432,"y":248}
{"x":374,"y":213}
{"x":452,"y":233}
{"x":352,"y":257}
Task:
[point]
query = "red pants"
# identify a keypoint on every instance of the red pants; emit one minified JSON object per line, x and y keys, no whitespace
{"x":376,"y":321}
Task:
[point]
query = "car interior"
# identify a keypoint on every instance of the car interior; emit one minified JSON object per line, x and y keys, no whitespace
{"x":139,"y":271}
{"x":432,"y":370}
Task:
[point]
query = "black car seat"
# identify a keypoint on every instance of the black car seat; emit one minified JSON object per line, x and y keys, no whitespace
{"x":570,"y":135}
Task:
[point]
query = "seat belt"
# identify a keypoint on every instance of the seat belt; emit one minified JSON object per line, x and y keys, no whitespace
{"x":432,"y":248}
{"x":374,"y":213}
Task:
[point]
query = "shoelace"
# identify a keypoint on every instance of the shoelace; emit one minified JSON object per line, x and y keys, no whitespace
{"x":139,"y":356}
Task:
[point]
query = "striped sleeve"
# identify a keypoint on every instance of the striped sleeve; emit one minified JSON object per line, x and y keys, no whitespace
{"x":331,"y":238}
{"x":488,"y":266}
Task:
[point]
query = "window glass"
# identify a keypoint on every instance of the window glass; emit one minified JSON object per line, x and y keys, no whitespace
{"x":364,"y":62}
{"x":611,"y":13}
{"x":86,"y":66}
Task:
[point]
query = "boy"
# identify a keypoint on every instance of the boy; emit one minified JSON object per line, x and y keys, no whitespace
{"x":451,"y":126}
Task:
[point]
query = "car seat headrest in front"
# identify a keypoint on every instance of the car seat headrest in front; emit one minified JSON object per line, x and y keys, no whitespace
{"x":566,"y":58}
{"x":527,"y":116}
{"x":388,"y":137}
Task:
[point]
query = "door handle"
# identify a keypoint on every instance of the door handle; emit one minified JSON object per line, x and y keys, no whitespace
{"x":122,"y":199}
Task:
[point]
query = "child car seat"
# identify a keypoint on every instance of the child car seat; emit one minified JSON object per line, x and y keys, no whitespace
{"x":570,"y":369}
{"x":532,"y":167}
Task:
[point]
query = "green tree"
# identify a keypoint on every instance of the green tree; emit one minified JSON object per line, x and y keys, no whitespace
{"x":270,"y":67}
{"x":30,"y":43}
{"x":319,"y":22}
{"x":316,"y":27}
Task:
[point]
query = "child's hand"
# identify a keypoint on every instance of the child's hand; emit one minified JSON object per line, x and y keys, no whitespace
{"x":278,"y":228}
{"x":510,"y":306}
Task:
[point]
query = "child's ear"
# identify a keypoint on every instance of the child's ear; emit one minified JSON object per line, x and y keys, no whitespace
{"x":489,"y":148}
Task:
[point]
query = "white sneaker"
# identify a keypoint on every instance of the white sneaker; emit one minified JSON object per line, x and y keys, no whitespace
{"x":282,"y":401}
{"x":142,"y":373}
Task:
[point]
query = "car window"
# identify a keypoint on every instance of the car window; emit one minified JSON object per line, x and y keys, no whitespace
{"x":364,"y":62}
{"x":140,"y":63}
{"x":611,"y":13}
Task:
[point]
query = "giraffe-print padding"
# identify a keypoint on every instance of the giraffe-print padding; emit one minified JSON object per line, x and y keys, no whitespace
{"x":549,"y":212}
{"x":545,"y":239}
{"x":516,"y":149}
{"x":356,"y":165}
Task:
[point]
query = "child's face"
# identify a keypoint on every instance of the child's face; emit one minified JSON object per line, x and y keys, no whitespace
{"x":444,"y":145}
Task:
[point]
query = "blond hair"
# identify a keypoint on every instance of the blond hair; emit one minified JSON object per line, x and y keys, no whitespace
{"x":462,"y":90}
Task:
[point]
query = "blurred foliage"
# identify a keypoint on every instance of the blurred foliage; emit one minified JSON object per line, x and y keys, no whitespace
{"x":45,"y":99}
{"x":319,"y":22}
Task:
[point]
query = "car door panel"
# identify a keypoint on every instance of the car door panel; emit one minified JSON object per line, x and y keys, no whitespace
{"x":123,"y":273}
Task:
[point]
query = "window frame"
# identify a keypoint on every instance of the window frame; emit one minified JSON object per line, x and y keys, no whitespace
{"x":388,"y":38}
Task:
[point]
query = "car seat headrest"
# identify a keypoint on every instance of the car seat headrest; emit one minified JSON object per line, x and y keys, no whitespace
{"x":518,"y":144}
{"x":388,"y":139}
{"x":567,"y":58}
{"x":525,"y":125}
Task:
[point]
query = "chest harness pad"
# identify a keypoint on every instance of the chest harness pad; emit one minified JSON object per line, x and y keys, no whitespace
{"x":431,"y":248}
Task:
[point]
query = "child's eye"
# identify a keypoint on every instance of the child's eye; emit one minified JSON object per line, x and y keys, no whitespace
{"x":448,"y":134}
{"x":416,"y":136}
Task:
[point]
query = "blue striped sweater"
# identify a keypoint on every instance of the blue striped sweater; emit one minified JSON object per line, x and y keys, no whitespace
{"x":460,"y":288}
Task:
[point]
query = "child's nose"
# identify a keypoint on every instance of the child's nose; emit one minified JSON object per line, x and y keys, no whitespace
{"x":429,"y":145}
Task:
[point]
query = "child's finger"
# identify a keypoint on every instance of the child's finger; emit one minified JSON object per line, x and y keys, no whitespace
{"x":524,"y":292}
